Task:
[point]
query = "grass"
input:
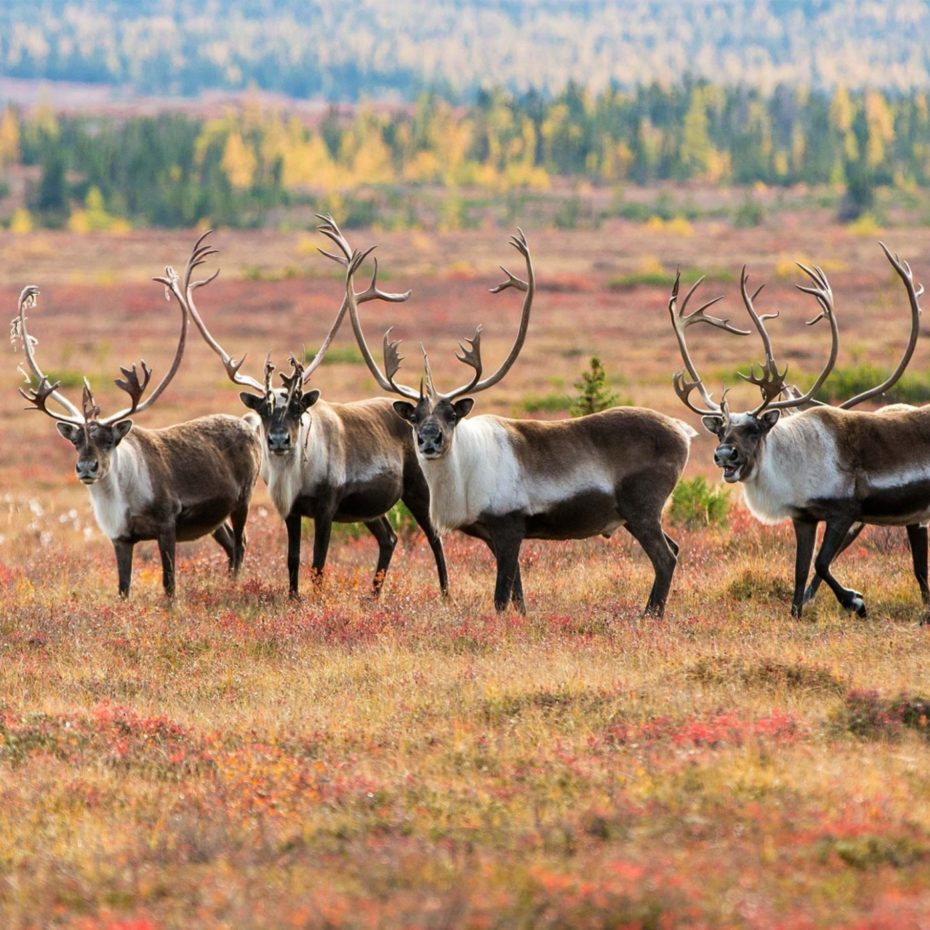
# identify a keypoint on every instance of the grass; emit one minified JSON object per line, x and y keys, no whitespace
{"x":414,"y":762}
{"x":236,"y":759}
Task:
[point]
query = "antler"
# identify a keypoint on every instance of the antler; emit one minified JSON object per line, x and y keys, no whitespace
{"x":392,"y":358}
{"x":913,"y":292}
{"x":38,"y":396}
{"x":471,"y":354}
{"x":331,"y":230}
{"x":130,"y":382}
{"x":772,"y":382}
{"x":470,"y":348}
{"x":185,"y":296}
{"x":680,"y":322}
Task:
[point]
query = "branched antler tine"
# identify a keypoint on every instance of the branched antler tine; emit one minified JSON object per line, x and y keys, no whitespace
{"x":680,"y":322}
{"x":373,"y":292}
{"x":699,"y":315}
{"x":757,"y":320}
{"x":185,"y":298}
{"x":528,"y":287}
{"x":132,"y":386}
{"x":914,"y":292}
{"x":512,"y":281}
{"x":471,"y":356}
{"x":684,"y":388}
{"x":823,"y":293}
{"x":38,"y":398}
{"x":188,"y":311}
{"x":331,"y":230}
{"x":392,"y":358}
{"x":195,"y":284}
{"x":336,"y":258}
{"x":19,"y":332}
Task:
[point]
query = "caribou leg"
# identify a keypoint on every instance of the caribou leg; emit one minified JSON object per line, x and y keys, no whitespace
{"x":238,"y":518}
{"x":387,"y":540}
{"x":805,"y":535}
{"x":507,"y":553}
{"x":917,"y":537}
{"x":322,"y":531}
{"x":420,"y":511}
{"x":293,"y":551}
{"x":833,"y":538}
{"x":167,"y":546}
{"x":851,"y":537}
{"x":224,"y":536}
{"x":650,"y":535}
{"x":123,"y":565}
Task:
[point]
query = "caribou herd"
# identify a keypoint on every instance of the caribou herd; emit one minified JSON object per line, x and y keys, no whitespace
{"x":497,"y":479}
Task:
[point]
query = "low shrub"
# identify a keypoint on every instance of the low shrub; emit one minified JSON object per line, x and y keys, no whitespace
{"x":697,"y":504}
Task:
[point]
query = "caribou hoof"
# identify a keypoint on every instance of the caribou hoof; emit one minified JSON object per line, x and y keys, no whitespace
{"x":809,"y":595}
{"x":857,"y":604}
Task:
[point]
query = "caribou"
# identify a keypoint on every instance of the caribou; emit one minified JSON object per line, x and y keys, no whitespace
{"x":824,"y":463}
{"x":503,"y":481}
{"x":331,"y":462}
{"x":173,"y":484}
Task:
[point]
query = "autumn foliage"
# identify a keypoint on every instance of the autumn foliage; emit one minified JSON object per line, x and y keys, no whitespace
{"x":235,"y":759}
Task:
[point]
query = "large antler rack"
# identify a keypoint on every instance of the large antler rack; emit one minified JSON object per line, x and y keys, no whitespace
{"x":469,"y":348}
{"x":681,"y":320}
{"x":131,"y":382}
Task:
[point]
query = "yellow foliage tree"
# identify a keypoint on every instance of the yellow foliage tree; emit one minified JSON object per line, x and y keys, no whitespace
{"x":239,"y":162}
{"x":94,"y":217}
{"x":9,"y":138}
{"x":21,"y":222}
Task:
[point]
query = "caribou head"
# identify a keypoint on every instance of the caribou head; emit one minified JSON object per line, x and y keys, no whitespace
{"x":95,"y":438}
{"x":741,"y":436}
{"x":434,"y":414}
{"x":284,"y":410}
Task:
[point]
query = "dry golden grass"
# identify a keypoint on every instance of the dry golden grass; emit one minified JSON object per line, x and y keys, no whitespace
{"x":235,"y":760}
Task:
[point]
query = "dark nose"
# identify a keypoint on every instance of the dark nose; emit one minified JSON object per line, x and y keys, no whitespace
{"x":279,"y":442}
{"x":725,"y":454}
{"x":430,"y":443}
{"x":87,"y":469}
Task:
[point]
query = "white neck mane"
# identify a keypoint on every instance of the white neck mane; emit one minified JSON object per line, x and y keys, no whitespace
{"x":126,"y":488}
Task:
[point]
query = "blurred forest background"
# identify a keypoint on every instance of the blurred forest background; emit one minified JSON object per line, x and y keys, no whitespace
{"x":251,"y":113}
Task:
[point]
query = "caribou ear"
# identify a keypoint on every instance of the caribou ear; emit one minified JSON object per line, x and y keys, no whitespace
{"x":252,"y":401}
{"x":463,"y":407}
{"x":71,"y":432}
{"x":404,"y":410}
{"x":120,"y":430}
{"x":309,"y":399}
{"x":769,"y":419}
{"x":713,"y":424}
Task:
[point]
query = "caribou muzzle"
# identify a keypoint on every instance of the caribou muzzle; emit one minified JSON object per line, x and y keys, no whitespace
{"x":431,"y":441}
{"x":87,"y":470}
{"x":279,"y":443}
{"x":727,"y":457}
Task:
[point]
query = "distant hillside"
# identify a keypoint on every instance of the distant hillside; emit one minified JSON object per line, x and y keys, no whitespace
{"x":347,"y":49}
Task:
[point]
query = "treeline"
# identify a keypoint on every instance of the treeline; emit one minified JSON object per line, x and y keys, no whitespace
{"x":343,"y":50}
{"x":244,"y":168}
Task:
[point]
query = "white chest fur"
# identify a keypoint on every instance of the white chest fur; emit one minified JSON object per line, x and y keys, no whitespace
{"x":126,"y":490}
{"x":798,"y":463}
{"x":482,"y":474}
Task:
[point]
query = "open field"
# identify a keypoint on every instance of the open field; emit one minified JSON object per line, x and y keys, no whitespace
{"x":238,"y":761}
